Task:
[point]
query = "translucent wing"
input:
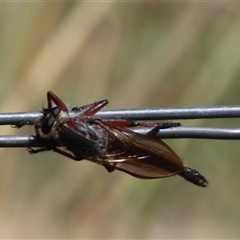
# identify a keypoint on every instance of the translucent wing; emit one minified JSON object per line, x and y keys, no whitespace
{"x":142,"y":156}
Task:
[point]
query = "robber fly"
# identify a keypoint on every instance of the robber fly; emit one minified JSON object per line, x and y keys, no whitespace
{"x":109,"y":142}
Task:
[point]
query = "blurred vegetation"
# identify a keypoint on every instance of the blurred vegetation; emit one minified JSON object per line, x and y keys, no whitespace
{"x":136,"y":54}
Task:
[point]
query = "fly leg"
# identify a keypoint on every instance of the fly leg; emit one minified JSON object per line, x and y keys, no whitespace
{"x":122,"y":123}
{"x":38,"y":150}
{"x":21,"y":124}
{"x":87,"y":110}
{"x":54,"y":149}
{"x":159,"y":126}
{"x":52,"y":146}
{"x":109,"y":169}
{"x":132,"y":123}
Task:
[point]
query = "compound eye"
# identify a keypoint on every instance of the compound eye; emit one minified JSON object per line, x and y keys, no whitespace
{"x":49,"y":119}
{"x":47,"y":124}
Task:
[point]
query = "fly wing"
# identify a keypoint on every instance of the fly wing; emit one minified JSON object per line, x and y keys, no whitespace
{"x":143,"y":156}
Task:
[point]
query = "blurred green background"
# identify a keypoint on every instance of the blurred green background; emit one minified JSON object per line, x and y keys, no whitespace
{"x":135,"y":54}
